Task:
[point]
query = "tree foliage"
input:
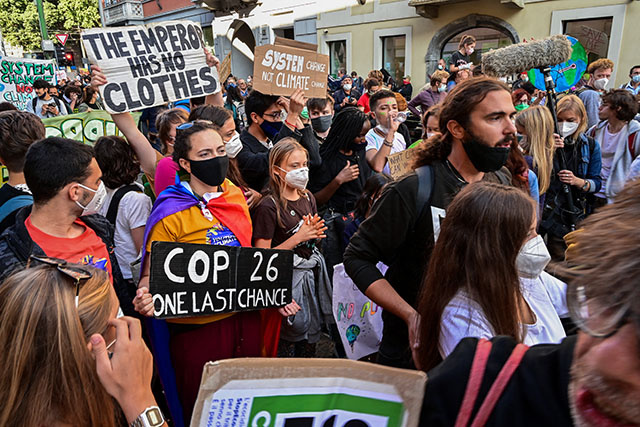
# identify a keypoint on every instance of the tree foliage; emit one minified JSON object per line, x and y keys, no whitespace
{"x":19,"y":20}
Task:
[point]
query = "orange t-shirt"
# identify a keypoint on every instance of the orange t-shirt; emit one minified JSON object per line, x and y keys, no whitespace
{"x":87,"y":248}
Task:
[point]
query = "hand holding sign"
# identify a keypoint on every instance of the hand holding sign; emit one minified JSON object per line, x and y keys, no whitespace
{"x":143,"y":302}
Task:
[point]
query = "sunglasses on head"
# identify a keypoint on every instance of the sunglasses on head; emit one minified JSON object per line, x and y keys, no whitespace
{"x":76,"y":273}
{"x":187,"y":125}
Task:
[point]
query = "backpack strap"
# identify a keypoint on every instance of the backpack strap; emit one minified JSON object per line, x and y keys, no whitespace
{"x":112,"y":212}
{"x":425,"y":188}
{"x":14,"y":204}
{"x":632,"y":138}
{"x":34,"y":102}
{"x":476,"y":375}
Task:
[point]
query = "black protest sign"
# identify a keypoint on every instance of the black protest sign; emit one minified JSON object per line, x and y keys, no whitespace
{"x":190,"y":280}
{"x":148,"y":65}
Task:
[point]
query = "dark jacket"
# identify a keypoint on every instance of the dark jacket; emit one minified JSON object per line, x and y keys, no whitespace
{"x":340,"y":95}
{"x":16,"y":245}
{"x":536,"y":395}
{"x":253,"y":159}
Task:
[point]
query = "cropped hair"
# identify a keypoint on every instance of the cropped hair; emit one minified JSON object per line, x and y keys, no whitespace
{"x":18,"y":130}
{"x":117,"y":161}
{"x":633,"y":68}
{"x":182,"y":145}
{"x":602,"y":63}
{"x":379,"y":96}
{"x":54,"y":162}
{"x":319,"y":104}
{"x":216,"y":115}
{"x":622,"y":102}
{"x":371,"y":82}
{"x":258,"y":103}
{"x":437,"y":77}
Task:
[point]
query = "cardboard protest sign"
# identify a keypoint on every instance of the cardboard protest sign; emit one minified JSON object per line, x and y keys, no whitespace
{"x":280,"y":68}
{"x":400,"y":163}
{"x":149,"y":65}
{"x":199,"y":280}
{"x":225,"y":68}
{"x":17,"y":76}
{"x":307,"y":393}
{"x":358,"y":319}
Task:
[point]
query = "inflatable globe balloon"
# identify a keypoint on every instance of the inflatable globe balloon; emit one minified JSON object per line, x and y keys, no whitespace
{"x":352,"y":333}
{"x":567,"y":74}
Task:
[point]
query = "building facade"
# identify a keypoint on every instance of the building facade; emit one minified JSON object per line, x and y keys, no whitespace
{"x":408,"y":37}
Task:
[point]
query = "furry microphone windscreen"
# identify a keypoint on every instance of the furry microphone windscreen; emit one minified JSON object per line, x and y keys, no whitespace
{"x":522,"y":57}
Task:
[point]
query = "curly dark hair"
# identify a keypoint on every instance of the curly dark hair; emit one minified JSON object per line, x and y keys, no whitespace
{"x":117,"y":161}
{"x":622,"y":102}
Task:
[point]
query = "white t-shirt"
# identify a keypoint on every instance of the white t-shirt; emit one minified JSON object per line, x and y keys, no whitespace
{"x":133,"y":212}
{"x":546,"y":297}
{"x":608,"y":147}
{"x":375,"y":141}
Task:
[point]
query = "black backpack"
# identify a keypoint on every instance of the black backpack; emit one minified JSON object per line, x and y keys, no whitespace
{"x":112,"y":212}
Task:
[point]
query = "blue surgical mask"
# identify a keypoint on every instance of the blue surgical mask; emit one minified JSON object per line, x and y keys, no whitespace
{"x":636,"y":78}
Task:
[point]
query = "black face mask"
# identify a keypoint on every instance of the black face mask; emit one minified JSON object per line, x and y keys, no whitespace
{"x":483,"y":157}
{"x":321,"y":124}
{"x":211,"y":171}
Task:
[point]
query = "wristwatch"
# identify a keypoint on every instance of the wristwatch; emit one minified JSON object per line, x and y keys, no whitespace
{"x":150,"y":417}
{"x":585,"y":186}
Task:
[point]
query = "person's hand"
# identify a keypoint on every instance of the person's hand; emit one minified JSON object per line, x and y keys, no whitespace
{"x":558,"y":141}
{"x":212,"y":61}
{"x":392,"y":123}
{"x":567,"y":177}
{"x":352,"y":100}
{"x":290,"y":309}
{"x":127,"y":374}
{"x":297,"y":102}
{"x":45,"y":110}
{"x":143,"y":302}
{"x":253,"y":197}
{"x":97,"y":77}
{"x":312,"y":228}
{"x":348,"y":173}
{"x":413,"y":324}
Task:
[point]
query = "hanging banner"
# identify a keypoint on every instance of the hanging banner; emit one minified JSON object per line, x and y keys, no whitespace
{"x":17,"y":76}
{"x":307,"y":393}
{"x":190,"y":280}
{"x":86,"y":127}
{"x":148,"y":65}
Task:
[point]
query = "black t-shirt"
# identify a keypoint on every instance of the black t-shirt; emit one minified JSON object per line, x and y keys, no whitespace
{"x":346,"y":196}
{"x":266,"y":226}
{"x":395,"y":235}
{"x":7,"y":192}
{"x":536,"y":395}
{"x":458,"y":59}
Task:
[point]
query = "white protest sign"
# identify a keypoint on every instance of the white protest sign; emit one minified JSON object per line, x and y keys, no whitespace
{"x":358,"y":319}
{"x":150,"y":65}
{"x":17,"y":76}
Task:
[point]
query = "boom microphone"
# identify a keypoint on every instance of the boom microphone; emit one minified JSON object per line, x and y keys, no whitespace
{"x":522,"y":57}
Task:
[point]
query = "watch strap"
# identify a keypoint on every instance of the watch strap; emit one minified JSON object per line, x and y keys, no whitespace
{"x":150,"y":417}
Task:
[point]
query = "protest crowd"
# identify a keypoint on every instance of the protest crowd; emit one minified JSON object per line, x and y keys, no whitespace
{"x":489,"y":229}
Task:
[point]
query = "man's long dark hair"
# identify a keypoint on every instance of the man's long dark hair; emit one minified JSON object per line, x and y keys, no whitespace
{"x":458,"y":106}
{"x":485,"y":227}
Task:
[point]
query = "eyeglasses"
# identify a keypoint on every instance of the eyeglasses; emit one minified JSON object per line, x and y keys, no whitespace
{"x":275,"y":116}
{"x":598,"y":316}
{"x":77,"y":274}
{"x":187,"y":125}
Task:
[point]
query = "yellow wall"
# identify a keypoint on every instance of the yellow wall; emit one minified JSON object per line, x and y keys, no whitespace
{"x":532,"y":21}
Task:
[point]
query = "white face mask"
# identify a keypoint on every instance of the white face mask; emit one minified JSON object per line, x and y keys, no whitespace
{"x":429,"y":135}
{"x":96,"y":202}
{"x":600,"y":84}
{"x":470,"y":51}
{"x":297,"y":178}
{"x":533,"y":258}
{"x":347,"y":86}
{"x":567,"y":128}
{"x":233,"y":146}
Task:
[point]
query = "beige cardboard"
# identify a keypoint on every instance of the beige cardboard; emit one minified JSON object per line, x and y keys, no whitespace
{"x":225,"y":68}
{"x":400,"y":164}
{"x":408,"y":384}
{"x":280,"y":68}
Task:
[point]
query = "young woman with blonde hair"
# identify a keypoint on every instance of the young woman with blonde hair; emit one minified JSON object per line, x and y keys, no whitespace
{"x":535,"y":124}
{"x":287,"y":218}
{"x":60,"y":321}
{"x":581,"y":158}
